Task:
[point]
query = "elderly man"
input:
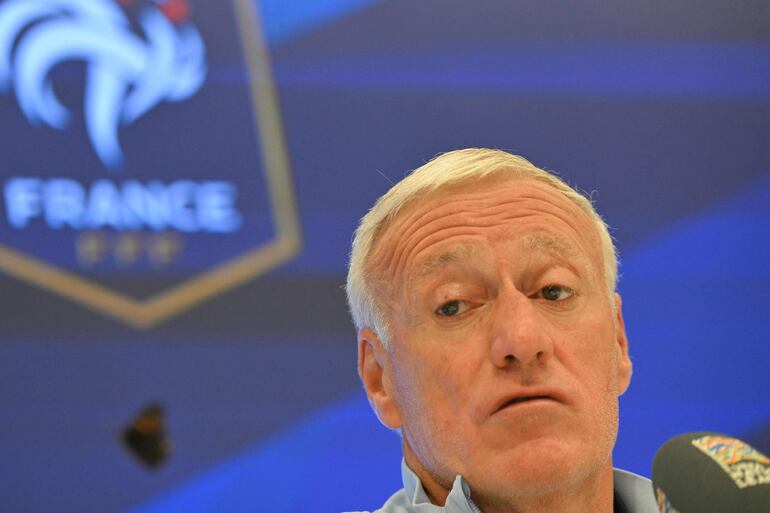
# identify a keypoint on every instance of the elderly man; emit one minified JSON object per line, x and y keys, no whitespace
{"x":491,"y":337}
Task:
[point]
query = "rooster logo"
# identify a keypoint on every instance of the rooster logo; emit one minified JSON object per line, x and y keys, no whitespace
{"x":127,"y":73}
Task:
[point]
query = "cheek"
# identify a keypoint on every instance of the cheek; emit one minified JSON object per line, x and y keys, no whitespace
{"x":591,"y":363}
{"x":590,"y":357}
{"x":429,"y":384}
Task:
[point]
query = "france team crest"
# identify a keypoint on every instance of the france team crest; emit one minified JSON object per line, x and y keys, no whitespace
{"x":144,"y":161}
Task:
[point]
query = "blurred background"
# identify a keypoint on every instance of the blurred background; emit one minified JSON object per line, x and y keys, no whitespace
{"x":180,"y":183}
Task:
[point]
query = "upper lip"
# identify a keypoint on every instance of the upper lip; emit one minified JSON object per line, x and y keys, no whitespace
{"x":524,"y":394}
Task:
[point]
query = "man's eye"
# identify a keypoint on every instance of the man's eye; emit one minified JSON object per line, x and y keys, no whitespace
{"x":556,"y":293}
{"x":451,"y":308}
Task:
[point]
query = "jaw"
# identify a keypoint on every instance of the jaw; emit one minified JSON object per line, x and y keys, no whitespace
{"x":538,"y":466}
{"x":531,"y":470}
{"x":592,"y":493}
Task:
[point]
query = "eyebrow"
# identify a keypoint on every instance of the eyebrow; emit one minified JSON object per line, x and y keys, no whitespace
{"x":436,"y":262}
{"x":553,"y":244}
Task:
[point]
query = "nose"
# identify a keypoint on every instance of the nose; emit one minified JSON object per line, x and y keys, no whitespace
{"x":519,"y":337}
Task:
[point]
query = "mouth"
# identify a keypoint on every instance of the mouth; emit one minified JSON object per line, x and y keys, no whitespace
{"x":521,"y":399}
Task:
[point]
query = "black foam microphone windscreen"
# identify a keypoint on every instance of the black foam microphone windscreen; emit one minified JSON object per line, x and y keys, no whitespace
{"x":710,"y":473}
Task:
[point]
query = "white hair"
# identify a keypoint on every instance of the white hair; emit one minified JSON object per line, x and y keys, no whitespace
{"x":450,"y":168}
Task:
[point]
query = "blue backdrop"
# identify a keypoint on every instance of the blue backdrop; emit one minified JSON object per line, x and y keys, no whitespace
{"x":660,"y":110}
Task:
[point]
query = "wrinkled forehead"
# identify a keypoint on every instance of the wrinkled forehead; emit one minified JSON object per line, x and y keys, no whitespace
{"x":405,"y":241}
{"x":536,"y":243}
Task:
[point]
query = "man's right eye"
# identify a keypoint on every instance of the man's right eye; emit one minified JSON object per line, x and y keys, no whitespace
{"x":452,"y":308}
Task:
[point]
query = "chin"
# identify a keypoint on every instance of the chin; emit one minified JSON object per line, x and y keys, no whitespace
{"x":541,"y":466}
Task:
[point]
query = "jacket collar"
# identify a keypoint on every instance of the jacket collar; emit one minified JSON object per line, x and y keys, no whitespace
{"x":458,"y":500}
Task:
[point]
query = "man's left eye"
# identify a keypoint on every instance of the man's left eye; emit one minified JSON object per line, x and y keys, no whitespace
{"x":556,"y":292}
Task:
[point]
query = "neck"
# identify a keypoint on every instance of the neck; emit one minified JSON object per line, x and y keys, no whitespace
{"x":592,"y":494}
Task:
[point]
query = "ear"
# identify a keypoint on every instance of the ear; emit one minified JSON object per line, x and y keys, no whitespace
{"x":374,"y":369}
{"x":624,"y":361}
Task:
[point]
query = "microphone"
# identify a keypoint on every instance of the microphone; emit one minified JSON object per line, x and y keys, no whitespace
{"x":710,"y":473}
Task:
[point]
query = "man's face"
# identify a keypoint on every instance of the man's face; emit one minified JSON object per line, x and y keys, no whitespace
{"x":506,"y":356}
